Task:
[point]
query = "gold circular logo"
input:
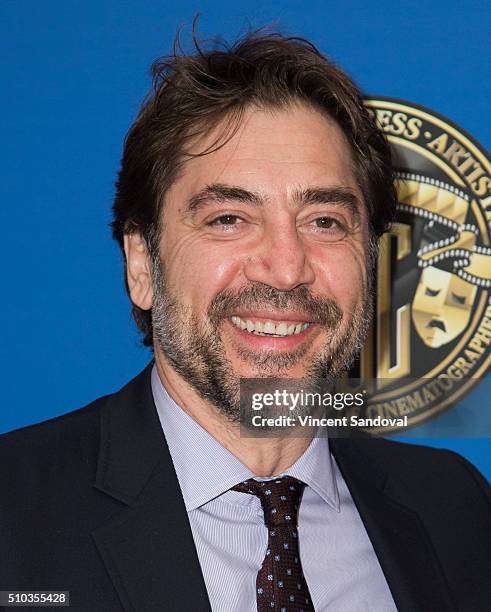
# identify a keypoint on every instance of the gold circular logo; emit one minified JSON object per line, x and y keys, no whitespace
{"x":430,"y":342}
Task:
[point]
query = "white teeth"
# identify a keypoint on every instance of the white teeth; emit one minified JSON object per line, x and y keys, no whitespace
{"x":269,"y":328}
{"x":281,"y":329}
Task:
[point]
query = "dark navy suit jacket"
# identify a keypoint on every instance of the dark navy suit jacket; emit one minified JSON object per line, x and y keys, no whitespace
{"x":90,"y":503}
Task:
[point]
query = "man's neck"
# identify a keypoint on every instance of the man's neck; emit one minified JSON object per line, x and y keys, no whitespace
{"x":263,"y":456}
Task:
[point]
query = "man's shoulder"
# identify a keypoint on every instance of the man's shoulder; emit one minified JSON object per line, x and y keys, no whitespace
{"x":417,"y":471}
{"x":67,"y":420}
{"x":68,"y":446}
{"x":68,"y":432}
{"x":406,"y":457}
{"x":57,"y":440}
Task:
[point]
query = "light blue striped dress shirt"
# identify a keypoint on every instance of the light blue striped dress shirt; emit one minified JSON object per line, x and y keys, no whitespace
{"x":338,"y":560}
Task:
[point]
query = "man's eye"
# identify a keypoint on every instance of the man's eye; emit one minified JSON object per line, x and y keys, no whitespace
{"x":329,"y":228}
{"x":225,"y":220}
{"x":326,"y":222}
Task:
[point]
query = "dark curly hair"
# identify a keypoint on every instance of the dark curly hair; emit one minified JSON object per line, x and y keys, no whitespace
{"x":193,"y":93}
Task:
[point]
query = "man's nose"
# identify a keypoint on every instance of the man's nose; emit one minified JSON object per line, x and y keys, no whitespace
{"x":281,"y":260}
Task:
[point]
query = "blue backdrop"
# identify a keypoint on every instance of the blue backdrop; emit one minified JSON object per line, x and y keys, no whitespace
{"x":73,"y":75}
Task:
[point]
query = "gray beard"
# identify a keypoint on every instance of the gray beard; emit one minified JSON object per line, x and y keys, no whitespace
{"x":195,"y":350}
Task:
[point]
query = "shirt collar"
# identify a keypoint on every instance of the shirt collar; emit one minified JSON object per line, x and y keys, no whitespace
{"x":205,"y":469}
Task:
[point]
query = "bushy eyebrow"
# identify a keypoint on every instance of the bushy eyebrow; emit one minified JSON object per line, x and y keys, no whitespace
{"x":222,"y":194}
{"x":342,"y":196}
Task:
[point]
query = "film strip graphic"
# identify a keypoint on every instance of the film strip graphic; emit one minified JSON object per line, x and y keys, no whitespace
{"x":443,"y":204}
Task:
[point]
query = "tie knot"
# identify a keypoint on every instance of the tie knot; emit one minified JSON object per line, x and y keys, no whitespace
{"x":280,"y":498}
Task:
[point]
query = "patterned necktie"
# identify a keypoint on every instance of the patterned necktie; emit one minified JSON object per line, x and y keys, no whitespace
{"x":280,"y":583}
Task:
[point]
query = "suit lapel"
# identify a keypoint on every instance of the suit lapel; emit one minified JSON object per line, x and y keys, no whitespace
{"x":148,"y":548}
{"x":397,"y":534}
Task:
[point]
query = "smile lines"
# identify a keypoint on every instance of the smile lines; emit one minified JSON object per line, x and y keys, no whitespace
{"x":268,"y":328}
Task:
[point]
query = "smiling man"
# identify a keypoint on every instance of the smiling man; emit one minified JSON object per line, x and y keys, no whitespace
{"x":252,"y":192}
{"x":260,"y":267}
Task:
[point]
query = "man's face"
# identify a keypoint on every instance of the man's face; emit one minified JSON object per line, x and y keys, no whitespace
{"x":263,"y":257}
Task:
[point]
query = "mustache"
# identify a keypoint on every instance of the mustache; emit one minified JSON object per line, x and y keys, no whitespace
{"x":324,"y":311}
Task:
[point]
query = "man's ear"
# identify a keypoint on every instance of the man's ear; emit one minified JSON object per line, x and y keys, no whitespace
{"x":138,"y":270}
